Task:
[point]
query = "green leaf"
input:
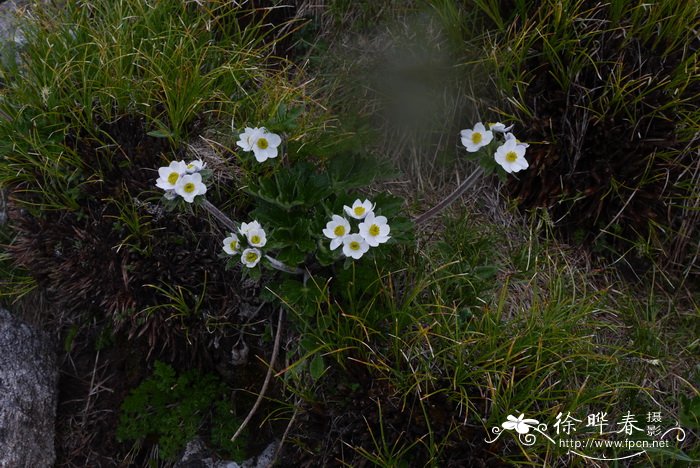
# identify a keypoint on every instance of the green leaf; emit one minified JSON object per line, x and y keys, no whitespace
{"x":160,"y":133}
{"x":317,"y":367}
{"x":673,"y":453}
{"x":690,"y":412}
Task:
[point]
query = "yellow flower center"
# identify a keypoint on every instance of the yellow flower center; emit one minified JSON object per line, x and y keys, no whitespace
{"x":250,"y":257}
{"x":339,"y":231}
{"x":476,"y":138}
{"x":172,"y":178}
{"x":511,"y":156}
{"x":354,"y":245}
{"x":262,"y":143}
{"x":189,"y":187}
{"x":359,"y":210}
{"x":374,"y":230}
{"x":233,"y":245}
{"x":255,"y":239}
{"x":190,"y":166}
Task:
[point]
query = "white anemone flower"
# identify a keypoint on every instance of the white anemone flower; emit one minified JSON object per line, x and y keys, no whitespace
{"x":170,"y":175}
{"x":195,"y":166}
{"x":231,"y":244}
{"x":359,"y":209}
{"x":262,"y":143}
{"x":354,"y":246}
{"x":251,"y":257}
{"x":336,"y":229}
{"x":256,"y":237}
{"x":498,"y":127}
{"x":245,"y":227}
{"x":375,"y":230}
{"x":510,"y":136}
{"x":511,"y":156}
{"x":189,"y":186}
{"x":476,"y":138}
{"x":244,"y":140}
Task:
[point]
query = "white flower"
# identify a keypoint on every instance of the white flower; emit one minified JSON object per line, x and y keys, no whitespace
{"x":510,"y":136}
{"x":521,"y":425}
{"x":256,"y":237}
{"x":231,"y":244}
{"x":262,"y":143}
{"x":244,"y":139}
{"x":250,"y":257}
{"x":511,"y":156}
{"x":195,"y":166}
{"x":189,"y":186}
{"x":170,"y":175}
{"x":336,"y":229}
{"x":359,"y":209}
{"x":476,"y":138}
{"x":245,"y":227}
{"x":375,"y":229}
{"x":354,"y":246}
{"x":498,"y":127}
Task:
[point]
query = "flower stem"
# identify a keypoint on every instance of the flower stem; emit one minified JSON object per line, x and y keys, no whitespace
{"x":218,"y":214}
{"x":277,"y":265}
{"x":468,"y":182}
{"x":228,"y":222}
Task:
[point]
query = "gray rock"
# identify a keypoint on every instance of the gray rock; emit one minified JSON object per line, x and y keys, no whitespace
{"x":197,"y":455}
{"x":28,"y":382}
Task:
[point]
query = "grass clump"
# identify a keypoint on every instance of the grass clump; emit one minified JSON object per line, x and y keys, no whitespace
{"x":414,"y":366}
{"x":609,"y":93}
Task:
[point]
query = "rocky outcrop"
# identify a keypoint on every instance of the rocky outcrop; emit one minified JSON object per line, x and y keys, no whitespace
{"x":28,"y":380}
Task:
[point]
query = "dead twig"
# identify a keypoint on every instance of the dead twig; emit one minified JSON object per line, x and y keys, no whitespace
{"x":268,"y":376}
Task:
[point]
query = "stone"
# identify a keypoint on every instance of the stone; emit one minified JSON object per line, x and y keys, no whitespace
{"x":28,"y":395}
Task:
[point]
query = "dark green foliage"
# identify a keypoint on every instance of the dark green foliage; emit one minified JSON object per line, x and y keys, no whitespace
{"x":296,"y":201}
{"x":170,"y":410}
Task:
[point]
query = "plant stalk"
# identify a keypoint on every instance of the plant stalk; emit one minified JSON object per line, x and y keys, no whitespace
{"x":468,"y":182}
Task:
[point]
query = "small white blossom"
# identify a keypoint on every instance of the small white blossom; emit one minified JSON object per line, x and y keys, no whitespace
{"x":250,"y":257}
{"x":195,"y":166}
{"x":231,"y":244}
{"x":498,"y":127}
{"x":189,"y":186}
{"x":170,"y":194}
{"x":510,"y":136}
{"x":354,"y":246}
{"x":359,"y":209}
{"x":476,"y":138}
{"x":170,"y":175}
{"x":244,"y":140}
{"x":374,"y":229}
{"x":262,"y":143}
{"x":336,"y":229}
{"x":256,"y":237}
{"x":511,"y":156}
{"x":245,"y":227}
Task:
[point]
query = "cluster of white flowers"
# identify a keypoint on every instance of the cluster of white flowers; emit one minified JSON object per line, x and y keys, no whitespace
{"x":510,"y":155}
{"x":262,"y":143}
{"x":255,"y":237}
{"x":373,"y":230}
{"x":180,"y":178}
